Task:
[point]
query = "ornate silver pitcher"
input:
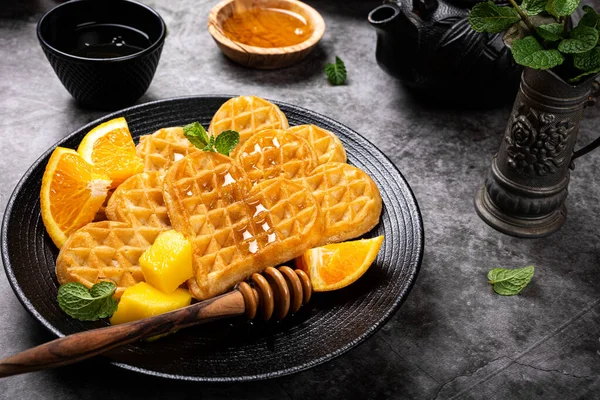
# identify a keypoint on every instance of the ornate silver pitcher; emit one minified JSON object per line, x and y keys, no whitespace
{"x":526,"y":187}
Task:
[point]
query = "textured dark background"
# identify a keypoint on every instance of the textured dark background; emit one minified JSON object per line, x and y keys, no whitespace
{"x":453,"y":337}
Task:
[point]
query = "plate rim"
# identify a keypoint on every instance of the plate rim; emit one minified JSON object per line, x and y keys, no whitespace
{"x":411,"y":200}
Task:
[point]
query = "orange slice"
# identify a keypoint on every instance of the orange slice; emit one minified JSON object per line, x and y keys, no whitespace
{"x":110,"y":148}
{"x":72,"y":192}
{"x":335,"y":266}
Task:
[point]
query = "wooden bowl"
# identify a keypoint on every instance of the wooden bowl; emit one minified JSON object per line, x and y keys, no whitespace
{"x":262,"y":57}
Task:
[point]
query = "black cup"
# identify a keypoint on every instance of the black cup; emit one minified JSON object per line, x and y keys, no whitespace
{"x":102,"y":83}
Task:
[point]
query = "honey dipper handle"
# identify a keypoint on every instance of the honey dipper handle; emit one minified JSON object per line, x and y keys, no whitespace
{"x":80,"y":346}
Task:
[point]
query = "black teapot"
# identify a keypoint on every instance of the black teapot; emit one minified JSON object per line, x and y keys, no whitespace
{"x":430,"y":47}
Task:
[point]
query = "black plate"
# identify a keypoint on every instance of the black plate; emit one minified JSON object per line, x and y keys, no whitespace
{"x":234,"y":350}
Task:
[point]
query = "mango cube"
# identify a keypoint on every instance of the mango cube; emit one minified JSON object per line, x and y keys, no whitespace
{"x":168,"y":262}
{"x":142,"y":301}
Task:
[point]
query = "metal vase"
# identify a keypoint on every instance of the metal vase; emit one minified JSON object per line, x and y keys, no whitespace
{"x":526,"y":187}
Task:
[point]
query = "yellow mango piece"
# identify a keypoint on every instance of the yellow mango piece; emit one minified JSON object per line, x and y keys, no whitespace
{"x":142,"y":301}
{"x":168,"y":262}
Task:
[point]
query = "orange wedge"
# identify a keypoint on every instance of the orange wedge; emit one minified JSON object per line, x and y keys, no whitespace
{"x":335,"y":266}
{"x":110,"y":148}
{"x":72,"y":192}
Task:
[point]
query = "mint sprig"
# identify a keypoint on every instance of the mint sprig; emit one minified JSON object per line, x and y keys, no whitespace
{"x":508,"y":282}
{"x":534,"y":7}
{"x":550,"y":32}
{"x":488,"y":17}
{"x":591,"y":18}
{"x":581,"y":39}
{"x":87,"y":305}
{"x":196,"y":134}
{"x":336,"y":73}
{"x":223,"y":143}
{"x":561,"y":8}
{"x":226,"y":142}
{"x":530,"y":53}
{"x":540,"y":36}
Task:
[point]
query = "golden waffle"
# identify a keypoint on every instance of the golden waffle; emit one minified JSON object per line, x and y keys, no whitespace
{"x":164,"y":147}
{"x":326,"y":144}
{"x":139,"y":202}
{"x":274,"y":152}
{"x":105,"y":251}
{"x":247,"y":115}
{"x":110,"y":250}
{"x":349,"y":199}
{"x":236,"y":229}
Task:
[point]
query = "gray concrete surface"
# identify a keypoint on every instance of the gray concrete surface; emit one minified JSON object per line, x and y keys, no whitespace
{"x":453,"y":337}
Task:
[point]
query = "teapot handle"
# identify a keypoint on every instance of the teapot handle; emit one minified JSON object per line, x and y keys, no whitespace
{"x":592,"y":101}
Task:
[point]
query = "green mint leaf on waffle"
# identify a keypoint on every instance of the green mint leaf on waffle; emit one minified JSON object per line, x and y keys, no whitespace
{"x":488,"y":17}
{"x":196,"y":134}
{"x":87,"y":305}
{"x":226,"y":142}
{"x":530,"y":53}
{"x":550,"y":32}
{"x":210,"y":145}
{"x":561,"y":8}
{"x":508,"y":282}
{"x":534,"y":7}
{"x":581,"y":39}
{"x":336,"y":73}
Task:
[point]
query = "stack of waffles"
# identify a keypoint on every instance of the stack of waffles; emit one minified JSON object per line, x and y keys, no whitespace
{"x":282,"y":191}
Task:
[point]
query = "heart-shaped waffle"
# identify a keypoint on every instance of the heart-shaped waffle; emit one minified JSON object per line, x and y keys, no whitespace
{"x":109,"y":250}
{"x":247,"y":115}
{"x":162,"y":148}
{"x":326,"y":145}
{"x":274,"y":152}
{"x":236,"y":228}
{"x":280,"y":203}
{"x":105,"y":251}
{"x":139,"y":202}
{"x":348,"y":198}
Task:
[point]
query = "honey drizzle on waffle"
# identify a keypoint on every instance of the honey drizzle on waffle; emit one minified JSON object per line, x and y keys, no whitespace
{"x":236,"y":229}
{"x":348,"y":198}
{"x":311,"y":200}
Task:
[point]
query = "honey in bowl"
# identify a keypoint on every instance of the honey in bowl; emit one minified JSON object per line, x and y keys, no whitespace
{"x":266,"y":27}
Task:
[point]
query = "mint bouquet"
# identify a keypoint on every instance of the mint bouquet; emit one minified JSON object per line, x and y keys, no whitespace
{"x":540,"y":35}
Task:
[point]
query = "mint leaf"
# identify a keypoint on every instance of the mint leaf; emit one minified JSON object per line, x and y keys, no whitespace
{"x":87,"y":305}
{"x":550,"y":32}
{"x":488,"y":17}
{"x":587,"y":61}
{"x":581,"y":39}
{"x":591,"y":18}
{"x":562,"y":8}
{"x":196,"y":134}
{"x":336,"y":73}
{"x":226,"y":142}
{"x":508,"y":282}
{"x":530,"y":53}
{"x":211,"y":144}
{"x":534,"y":7}
{"x":586,"y":73}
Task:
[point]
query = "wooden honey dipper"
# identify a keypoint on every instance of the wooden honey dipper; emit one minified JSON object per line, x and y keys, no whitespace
{"x":274,"y":293}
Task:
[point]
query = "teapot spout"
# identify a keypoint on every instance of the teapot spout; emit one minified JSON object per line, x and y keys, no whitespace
{"x":384,"y":17}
